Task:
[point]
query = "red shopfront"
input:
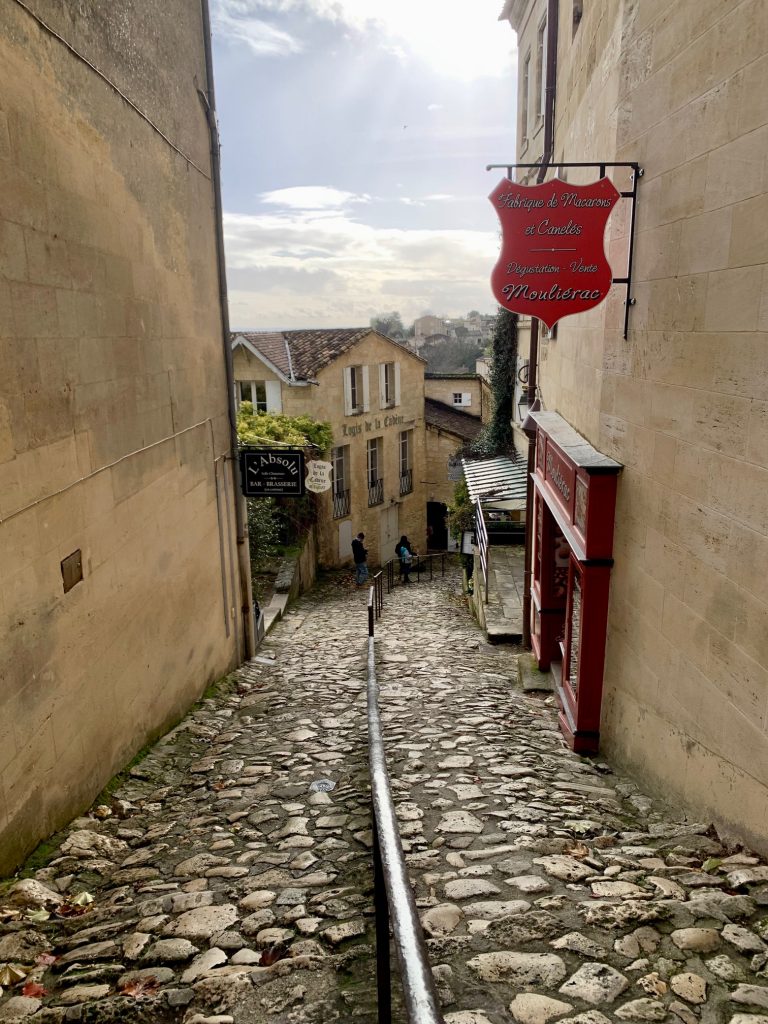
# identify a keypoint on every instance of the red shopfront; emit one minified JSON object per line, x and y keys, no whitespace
{"x":574,"y":488}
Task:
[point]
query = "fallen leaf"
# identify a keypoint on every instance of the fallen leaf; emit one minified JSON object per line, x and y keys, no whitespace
{"x":70,"y":910}
{"x":82,"y":899}
{"x":38,"y":916}
{"x":140,"y":988}
{"x":12,"y":974}
{"x":273,"y":954}
{"x":34,"y":991}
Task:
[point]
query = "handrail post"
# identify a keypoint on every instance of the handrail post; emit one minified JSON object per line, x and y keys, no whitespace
{"x":370,"y":613}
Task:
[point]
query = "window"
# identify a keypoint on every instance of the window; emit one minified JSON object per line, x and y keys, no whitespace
{"x":264,"y":395}
{"x":406,"y":465}
{"x":341,"y":490}
{"x":541,"y":44}
{"x":462,"y":398}
{"x":524,"y":97}
{"x":389,"y":384}
{"x":375,"y":482}
{"x":355,"y":390}
{"x":253,"y":391}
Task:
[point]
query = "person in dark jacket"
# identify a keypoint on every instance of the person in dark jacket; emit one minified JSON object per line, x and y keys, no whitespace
{"x":360,"y":555}
{"x":406,"y":554}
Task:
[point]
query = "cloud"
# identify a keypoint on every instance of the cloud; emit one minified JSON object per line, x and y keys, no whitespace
{"x":319,"y":268}
{"x":463,"y":41}
{"x":434,"y":106}
{"x":236,"y":20}
{"x":313,"y":197}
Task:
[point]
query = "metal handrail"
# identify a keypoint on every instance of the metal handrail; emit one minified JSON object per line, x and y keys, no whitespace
{"x":393,"y":896}
{"x":481,"y":533}
{"x":421,"y":565}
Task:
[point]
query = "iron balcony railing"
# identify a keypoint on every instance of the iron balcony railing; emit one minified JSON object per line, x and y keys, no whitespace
{"x":392,"y":893}
{"x":406,"y":481}
{"x":340,"y":504}
{"x":376,"y":492}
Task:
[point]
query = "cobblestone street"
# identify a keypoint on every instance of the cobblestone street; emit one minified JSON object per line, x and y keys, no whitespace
{"x":231,"y":874}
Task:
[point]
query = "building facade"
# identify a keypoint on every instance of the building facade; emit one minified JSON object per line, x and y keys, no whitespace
{"x":121,"y":597}
{"x":371,"y":390}
{"x":681,"y":404}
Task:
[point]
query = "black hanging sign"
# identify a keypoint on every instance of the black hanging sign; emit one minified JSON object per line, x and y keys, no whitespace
{"x":272,"y":473}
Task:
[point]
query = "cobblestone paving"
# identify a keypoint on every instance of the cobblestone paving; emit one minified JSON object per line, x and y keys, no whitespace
{"x":227,"y":887}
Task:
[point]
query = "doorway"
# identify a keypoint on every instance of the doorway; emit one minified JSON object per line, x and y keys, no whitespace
{"x":389,"y":532}
{"x":437,"y":529}
{"x":345,"y":540}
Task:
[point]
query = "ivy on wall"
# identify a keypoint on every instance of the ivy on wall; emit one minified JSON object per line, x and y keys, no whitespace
{"x":496,"y":437}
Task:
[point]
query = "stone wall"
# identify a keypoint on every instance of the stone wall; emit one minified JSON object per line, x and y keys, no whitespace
{"x":682,"y":402}
{"x":442,"y":389}
{"x":113,"y":405}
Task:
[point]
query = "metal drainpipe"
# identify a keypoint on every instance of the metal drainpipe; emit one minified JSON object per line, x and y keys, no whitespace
{"x":549,"y":143}
{"x":533,"y":356}
{"x":243,"y":554}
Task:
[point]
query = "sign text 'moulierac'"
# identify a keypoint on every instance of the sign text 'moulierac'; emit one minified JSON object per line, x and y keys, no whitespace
{"x":552,"y":261}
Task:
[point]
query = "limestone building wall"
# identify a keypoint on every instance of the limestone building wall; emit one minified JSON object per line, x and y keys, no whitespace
{"x":682,"y":402}
{"x":443,"y":388}
{"x":440,"y":447}
{"x":113,"y":404}
{"x":396,"y":514}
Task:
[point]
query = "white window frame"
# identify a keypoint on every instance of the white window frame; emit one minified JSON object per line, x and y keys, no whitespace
{"x":389,"y":385}
{"x":541,"y":66}
{"x":406,"y":451}
{"x":258,"y":406}
{"x":462,"y":399}
{"x":525,"y":90}
{"x":340,"y":462}
{"x":373,"y":460}
{"x":356,"y":390}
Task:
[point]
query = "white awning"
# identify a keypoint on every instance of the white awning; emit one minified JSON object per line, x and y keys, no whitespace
{"x":498,"y":483}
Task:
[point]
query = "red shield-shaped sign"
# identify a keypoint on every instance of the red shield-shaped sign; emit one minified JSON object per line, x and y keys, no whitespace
{"x":552,"y":261}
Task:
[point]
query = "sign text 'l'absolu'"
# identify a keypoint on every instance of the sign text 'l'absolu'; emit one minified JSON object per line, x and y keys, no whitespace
{"x":552,"y":261}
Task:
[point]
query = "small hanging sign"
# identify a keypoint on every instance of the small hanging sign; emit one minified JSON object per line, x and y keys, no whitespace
{"x":272,"y":473}
{"x":318,"y":476}
{"x":552,"y":261}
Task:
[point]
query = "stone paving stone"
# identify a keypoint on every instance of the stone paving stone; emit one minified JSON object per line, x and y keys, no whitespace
{"x":226,"y":888}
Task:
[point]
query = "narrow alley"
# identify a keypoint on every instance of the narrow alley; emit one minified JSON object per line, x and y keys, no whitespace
{"x":229,"y":877}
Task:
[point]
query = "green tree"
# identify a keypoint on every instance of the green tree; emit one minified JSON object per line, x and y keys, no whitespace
{"x":273,"y":523}
{"x":258,"y":428}
{"x":461,"y":511}
{"x":390,"y":324}
{"x":496,"y":438}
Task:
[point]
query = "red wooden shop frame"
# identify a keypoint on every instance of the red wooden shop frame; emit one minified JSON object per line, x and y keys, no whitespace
{"x":574,"y":502}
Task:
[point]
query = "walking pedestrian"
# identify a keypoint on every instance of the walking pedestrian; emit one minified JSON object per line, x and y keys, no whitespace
{"x":405,"y":553}
{"x":360,"y":555}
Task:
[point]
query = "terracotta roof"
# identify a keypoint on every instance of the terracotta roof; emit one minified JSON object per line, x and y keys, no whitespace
{"x":444,"y":417}
{"x":271,"y":344}
{"x":301,"y":354}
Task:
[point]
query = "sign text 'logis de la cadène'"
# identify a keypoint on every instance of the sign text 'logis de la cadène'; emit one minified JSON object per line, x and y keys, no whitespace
{"x":552,"y":261}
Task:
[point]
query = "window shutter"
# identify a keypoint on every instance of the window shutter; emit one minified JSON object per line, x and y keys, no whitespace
{"x":274,"y":396}
{"x":366,"y":391}
{"x":466,"y":398}
{"x":347,"y":371}
{"x":397,"y":383}
{"x":382,"y":385}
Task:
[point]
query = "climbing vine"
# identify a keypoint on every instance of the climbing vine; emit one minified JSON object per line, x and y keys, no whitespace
{"x":496,"y":437}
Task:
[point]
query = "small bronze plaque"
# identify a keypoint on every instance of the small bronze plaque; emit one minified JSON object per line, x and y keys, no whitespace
{"x":72,"y":570}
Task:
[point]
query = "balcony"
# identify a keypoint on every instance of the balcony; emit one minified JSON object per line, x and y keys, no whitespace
{"x":341,"y":504}
{"x":375,"y":492}
{"x":406,"y":482}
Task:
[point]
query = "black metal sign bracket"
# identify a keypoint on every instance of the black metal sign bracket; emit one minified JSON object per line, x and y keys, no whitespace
{"x":631,"y":195}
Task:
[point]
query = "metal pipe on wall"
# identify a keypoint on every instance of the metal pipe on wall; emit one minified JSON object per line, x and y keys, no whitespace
{"x":550,"y":94}
{"x":243,"y":554}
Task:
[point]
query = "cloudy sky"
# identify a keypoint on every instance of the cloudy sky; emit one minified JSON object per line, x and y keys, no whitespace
{"x":355,"y":135}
